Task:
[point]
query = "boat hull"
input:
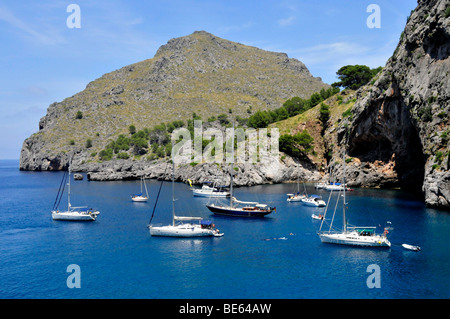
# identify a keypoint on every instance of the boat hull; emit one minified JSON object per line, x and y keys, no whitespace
{"x":314,"y":203}
{"x":185,"y":230}
{"x":295,"y":199}
{"x":237,"y":212}
{"x":334,"y":188}
{"x":139,"y":199}
{"x":75,"y":216}
{"x":351,"y":239}
{"x":199,"y":193}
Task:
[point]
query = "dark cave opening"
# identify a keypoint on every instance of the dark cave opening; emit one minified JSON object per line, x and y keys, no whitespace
{"x":369,"y":148}
{"x":399,"y":143}
{"x":411,"y":164}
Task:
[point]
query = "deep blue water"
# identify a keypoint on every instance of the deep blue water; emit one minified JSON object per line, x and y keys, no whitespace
{"x":119,"y":259}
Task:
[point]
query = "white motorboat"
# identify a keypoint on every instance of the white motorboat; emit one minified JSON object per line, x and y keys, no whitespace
{"x":81,"y":213}
{"x":353,"y":236}
{"x":318,"y":217}
{"x":320,"y":185}
{"x":141,"y":197}
{"x":314,"y":200}
{"x":210,"y":191}
{"x":334,"y":187}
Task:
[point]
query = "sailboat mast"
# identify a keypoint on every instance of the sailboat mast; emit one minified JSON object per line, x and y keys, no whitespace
{"x":344,"y":221}
{"x":232,"y":168}
{"x":145,"y":186}
{"x":173,"y":187}
{"x":68,"y":193}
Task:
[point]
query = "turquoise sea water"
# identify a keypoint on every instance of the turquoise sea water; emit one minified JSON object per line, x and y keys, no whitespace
{"x":279,"y":256}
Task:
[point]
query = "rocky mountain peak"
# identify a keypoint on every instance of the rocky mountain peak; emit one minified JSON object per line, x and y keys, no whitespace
{"x":199,"y":73}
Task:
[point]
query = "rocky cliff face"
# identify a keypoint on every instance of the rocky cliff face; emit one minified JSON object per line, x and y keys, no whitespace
{"x":401,"y":123}
{"x":198,"y":73}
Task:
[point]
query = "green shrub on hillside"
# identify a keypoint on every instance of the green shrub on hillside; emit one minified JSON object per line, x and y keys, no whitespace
{"x":79,"y":115}
{"x":355,"y":76}
{"x":324,"y":116}
{"x":298,"y":145}
{"x":290,"y":108}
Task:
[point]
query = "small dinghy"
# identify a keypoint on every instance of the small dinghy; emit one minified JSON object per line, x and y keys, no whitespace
{"x":411,"y":247}
{"x":314,"y":216}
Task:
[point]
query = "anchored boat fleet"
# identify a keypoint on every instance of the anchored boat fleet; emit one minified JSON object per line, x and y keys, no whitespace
{"x":226,"y":204}
{"x":222,"y":202}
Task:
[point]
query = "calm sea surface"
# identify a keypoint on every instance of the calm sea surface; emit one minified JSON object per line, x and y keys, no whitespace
{"x":279,"y":256}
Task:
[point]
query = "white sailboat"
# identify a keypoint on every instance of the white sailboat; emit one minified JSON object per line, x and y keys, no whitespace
{"x":180,"y":227}
{"x":140,"y":197}
{"x":296,"y":197}
{"x":353,"y":236}
{"x":81,"y":213}
{"x":200,"y":229}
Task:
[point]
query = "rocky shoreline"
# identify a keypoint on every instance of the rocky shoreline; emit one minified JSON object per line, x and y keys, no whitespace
{"x":376,"y":174}
{"x":244,"y":174}
{"x":370,"y":175}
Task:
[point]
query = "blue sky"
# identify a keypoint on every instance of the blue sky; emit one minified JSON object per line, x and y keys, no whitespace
{"x":43,"y":61}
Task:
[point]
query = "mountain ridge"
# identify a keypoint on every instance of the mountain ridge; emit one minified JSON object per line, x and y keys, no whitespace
{"x":198,"y":73}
